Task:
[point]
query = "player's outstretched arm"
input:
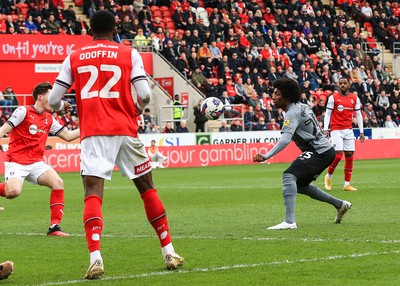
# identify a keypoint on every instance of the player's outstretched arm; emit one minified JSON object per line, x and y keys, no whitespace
{"x":282,"y":143}
{"x":69,"y":135}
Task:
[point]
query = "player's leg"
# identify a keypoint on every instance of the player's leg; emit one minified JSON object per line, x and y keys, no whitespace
{"x":11,"y":188}
{"x":14,"y":175}
{"x":348,"y":147}
{"x":289,"y":192}
{"x":316,"y":165}
{"x":52,"y":180}
{"x":98,"y":155}
{"x":337,"y":141}
{"x":93,"y":223}
{"x":6,"y":269}
{"x":133,"y":152}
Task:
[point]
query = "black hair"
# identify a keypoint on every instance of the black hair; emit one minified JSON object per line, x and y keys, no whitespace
{"x":343,"y":77}
{"x":102,"y":22}
{"x":289,"y":88}
{"x":41,"y":88}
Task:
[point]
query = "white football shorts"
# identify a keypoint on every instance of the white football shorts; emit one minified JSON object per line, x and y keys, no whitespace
{"x":343,"y":140}
{"x":29,"y":172}
{"x":99,"y":155}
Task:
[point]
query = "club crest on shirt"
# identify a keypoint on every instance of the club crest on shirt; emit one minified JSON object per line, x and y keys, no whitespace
{"x":287,"y":122}
{"x":45,"y":121}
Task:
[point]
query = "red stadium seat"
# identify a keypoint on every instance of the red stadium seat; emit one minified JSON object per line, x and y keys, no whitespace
{"x":170,"y":25}
{"x":181,"y":32}
{"x":166,"y":13}
{"x":209,"y":11}
{"x":215,"y":80}
{"x":156,"y":14}
{"x":287,"y":35}
{"x":126,"y":43}
{"x":328,"y":92}
{"x":79,"y":3}
{"x":167,"y":19}
{"x":164,"y":8}
{"x":154,"y":8}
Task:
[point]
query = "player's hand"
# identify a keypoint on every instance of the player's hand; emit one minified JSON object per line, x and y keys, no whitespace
{"x":67,"y":107}
{"x":258,"y":158}
{"x":362,"y":137}
{"x":326,"y":133}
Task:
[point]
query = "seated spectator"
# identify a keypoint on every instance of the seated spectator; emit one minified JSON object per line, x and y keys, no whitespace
{"x":394,"y":112}
{"x":258,"y":113}
{"x":155,"y":155}
{"x":147,"y":116}
{"x":52,"y":25}
{"x":389,"y":123}
{"x":5,"y":104}
{"x":249,"y":120}
{"x":236,"y":126}
{"x":224,"y":127}
{"x":168,"y":128}
{"x":272,"y":125}
{"x":181,"y":128}
{"x":182,"y":65}
{"x":9,"y":94}
{"x":261,"y":125}
{"x":198,"y":78}
{"x":80,"y":25}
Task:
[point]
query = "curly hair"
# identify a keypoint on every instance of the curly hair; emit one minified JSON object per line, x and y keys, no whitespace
{"x":289,"y":88}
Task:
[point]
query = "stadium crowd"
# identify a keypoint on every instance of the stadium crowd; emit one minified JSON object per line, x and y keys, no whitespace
{"x":235,"y":50}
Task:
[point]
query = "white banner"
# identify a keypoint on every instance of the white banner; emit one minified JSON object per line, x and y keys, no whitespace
{"x":385,"y":133}
{"x":187,"y":139}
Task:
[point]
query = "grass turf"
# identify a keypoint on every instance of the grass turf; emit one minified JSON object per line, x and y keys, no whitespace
{"x":218,"y":218}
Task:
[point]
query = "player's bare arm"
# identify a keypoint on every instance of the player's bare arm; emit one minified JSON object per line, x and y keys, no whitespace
{"x":69,"y":135}
{"x":5,"y":129}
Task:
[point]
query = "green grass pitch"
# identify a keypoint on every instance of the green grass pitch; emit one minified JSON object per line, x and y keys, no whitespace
{"x":218,"y":218}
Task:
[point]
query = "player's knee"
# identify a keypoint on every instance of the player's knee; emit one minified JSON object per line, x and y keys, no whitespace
{"x":58,"y":184}
{"x":13,"y":192}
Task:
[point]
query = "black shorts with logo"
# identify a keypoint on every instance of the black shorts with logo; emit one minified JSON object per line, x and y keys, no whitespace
{"x":309,"y":165}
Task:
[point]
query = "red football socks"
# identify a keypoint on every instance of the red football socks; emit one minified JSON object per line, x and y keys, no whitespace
{"x":332,"y":167}
{"x":93,"y":221}
{"x":156,"y":215}
{"x":56,"y":206}
{"x":348,"y":168}
{"x":2,"y":189}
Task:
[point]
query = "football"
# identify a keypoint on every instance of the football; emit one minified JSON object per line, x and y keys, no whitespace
{"x":212,"y":108}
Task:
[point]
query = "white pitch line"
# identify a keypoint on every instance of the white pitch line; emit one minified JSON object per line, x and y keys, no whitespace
{"x":196,"y":237}
{"x":229,"y":267}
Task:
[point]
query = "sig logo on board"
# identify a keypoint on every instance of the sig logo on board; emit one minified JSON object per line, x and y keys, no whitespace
{"x":203,"y":139}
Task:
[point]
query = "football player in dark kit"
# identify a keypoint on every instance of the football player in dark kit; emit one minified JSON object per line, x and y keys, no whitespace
{"x":301,"y":126}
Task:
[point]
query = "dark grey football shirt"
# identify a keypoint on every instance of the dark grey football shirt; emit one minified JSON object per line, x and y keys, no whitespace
{"x":301,"y":126}
{"x":300,"y":121}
